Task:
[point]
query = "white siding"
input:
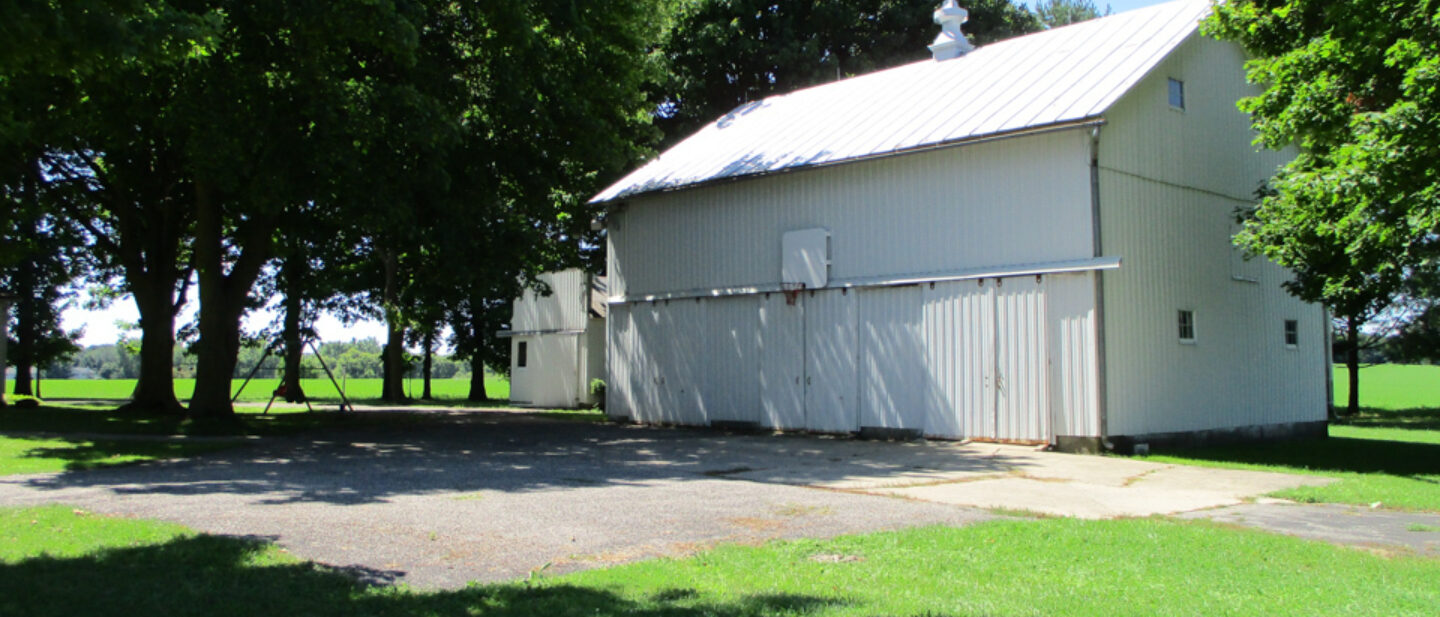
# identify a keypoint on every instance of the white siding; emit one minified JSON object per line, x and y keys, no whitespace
{"x":566,"y":308}
{"x":1000,"y":359}
{"x":1074,"y":395}
{"x":830,"y":356}
{"x":1169,"y":185}
{"x":958,"y":318}
{"x":550,"y":377}
{"x":730,"y":327}
{"x":1017,"y":201}
{"x":1022,"y":408}
{"x":893,"y":392}
{"x":622,"y":361}
{"x":781,"y":351}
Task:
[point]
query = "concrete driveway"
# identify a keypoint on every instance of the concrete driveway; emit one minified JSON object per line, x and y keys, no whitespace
{"x":495,"y":496}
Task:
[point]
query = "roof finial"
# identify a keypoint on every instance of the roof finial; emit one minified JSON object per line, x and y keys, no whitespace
{"x":951,"y":43}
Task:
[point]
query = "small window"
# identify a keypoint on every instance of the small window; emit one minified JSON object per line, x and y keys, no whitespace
{"x":1177,"y":93}
{"x":1292,"y":333}
{"x":520,"y":349}
{"x":1187,"y":326}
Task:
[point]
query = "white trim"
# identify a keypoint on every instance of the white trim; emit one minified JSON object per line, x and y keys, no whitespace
{"x":1054,"y":267}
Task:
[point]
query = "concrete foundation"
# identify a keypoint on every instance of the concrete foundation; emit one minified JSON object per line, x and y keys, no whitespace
{"x":889,"y":434}
{"x":1079,"y":445}
{"x":1127,"y":444}
{"x":736,"y":426}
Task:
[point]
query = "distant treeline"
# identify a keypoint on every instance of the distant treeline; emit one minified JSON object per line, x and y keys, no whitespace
{"x":357,"y":359}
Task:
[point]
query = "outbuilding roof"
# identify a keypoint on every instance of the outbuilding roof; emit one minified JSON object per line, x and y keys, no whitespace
{"x":1060,"y":76}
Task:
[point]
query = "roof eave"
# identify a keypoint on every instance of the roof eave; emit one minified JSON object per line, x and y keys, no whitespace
{"x":1088,"y":121}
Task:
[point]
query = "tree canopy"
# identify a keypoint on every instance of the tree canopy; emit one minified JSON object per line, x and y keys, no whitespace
{"x":188,"y":137}
{"x":1354,"y":88}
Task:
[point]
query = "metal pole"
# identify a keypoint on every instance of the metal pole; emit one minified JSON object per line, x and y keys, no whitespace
{"x":259,"y":364}
{"x":344,"y":402}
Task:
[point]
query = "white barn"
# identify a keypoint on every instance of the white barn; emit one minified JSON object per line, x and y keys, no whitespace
{"x":1029,"y":242}
{"x":557,"y":342}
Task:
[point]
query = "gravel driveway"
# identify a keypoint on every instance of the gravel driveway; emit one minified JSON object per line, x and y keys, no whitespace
{"x":489,"y":496}
{"x":496,"y":496}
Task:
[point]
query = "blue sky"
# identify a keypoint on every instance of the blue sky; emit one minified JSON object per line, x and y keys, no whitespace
{"x":1120,"y":6}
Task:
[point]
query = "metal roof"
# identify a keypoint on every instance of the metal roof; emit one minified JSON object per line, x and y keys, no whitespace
{"x":1053,"y":77}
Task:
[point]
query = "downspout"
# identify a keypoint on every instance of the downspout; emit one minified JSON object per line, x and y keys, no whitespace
{"x":1100,"y":390}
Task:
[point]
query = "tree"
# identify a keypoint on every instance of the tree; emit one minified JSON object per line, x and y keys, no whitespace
{"x":41,"y":258}
{"x":75,"y":91}
{"x":1355,"y":87}
{"x":1057,"y":13}
{"x":724,"y":53}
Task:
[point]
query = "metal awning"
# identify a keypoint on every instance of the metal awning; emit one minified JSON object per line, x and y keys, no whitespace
{"x":1053,"y":267}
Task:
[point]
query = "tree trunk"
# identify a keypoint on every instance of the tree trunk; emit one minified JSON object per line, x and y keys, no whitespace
{"x":429,"y":353}
{"x":1352,"y":363}
{"x":222,"y":298}
{"x":294,"y":343}
{"x":155,"y":389}
{"x":384,"y":372}
{"x":394,"y":386}
{"x":26,"y":313}
{"x":23,"y":357}
{"x":477,"y":381}
{"x":149,"y":231}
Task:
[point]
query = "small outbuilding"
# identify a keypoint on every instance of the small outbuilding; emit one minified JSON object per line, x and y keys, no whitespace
{"x":557,"y":342}
{"x":1028,"y":241}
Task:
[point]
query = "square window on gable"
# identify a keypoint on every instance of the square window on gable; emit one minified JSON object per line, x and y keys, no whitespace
{"x":1177,"y":93}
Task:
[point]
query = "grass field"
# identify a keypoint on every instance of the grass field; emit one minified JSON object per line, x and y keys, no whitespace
{"x":1392,"y":386}
{"x":258,"y":390}
{"x":57,"y":561}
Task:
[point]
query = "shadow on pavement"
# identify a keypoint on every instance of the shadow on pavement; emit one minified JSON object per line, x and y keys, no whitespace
{"x":513,"y":453}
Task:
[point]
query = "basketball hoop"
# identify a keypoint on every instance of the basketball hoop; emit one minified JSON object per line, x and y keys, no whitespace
{"x":791,"y":291}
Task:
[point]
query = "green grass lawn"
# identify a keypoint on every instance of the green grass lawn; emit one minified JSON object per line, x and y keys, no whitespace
{"x":23,"y":455}
{"x":1392,"y":387}
{"x":56,"y":561}
{"x":258,"y":390}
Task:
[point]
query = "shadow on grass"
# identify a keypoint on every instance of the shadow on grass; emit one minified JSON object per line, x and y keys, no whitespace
{"x":71,"y":420}
{"x":80,"y":455}
{"x":63,"y":420}
{"x":1416,"y":418}
{"x":1333,"y":454}
{"x":218,"y":576}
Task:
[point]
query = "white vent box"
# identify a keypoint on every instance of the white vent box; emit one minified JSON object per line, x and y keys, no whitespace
{"x":805,"y":257}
